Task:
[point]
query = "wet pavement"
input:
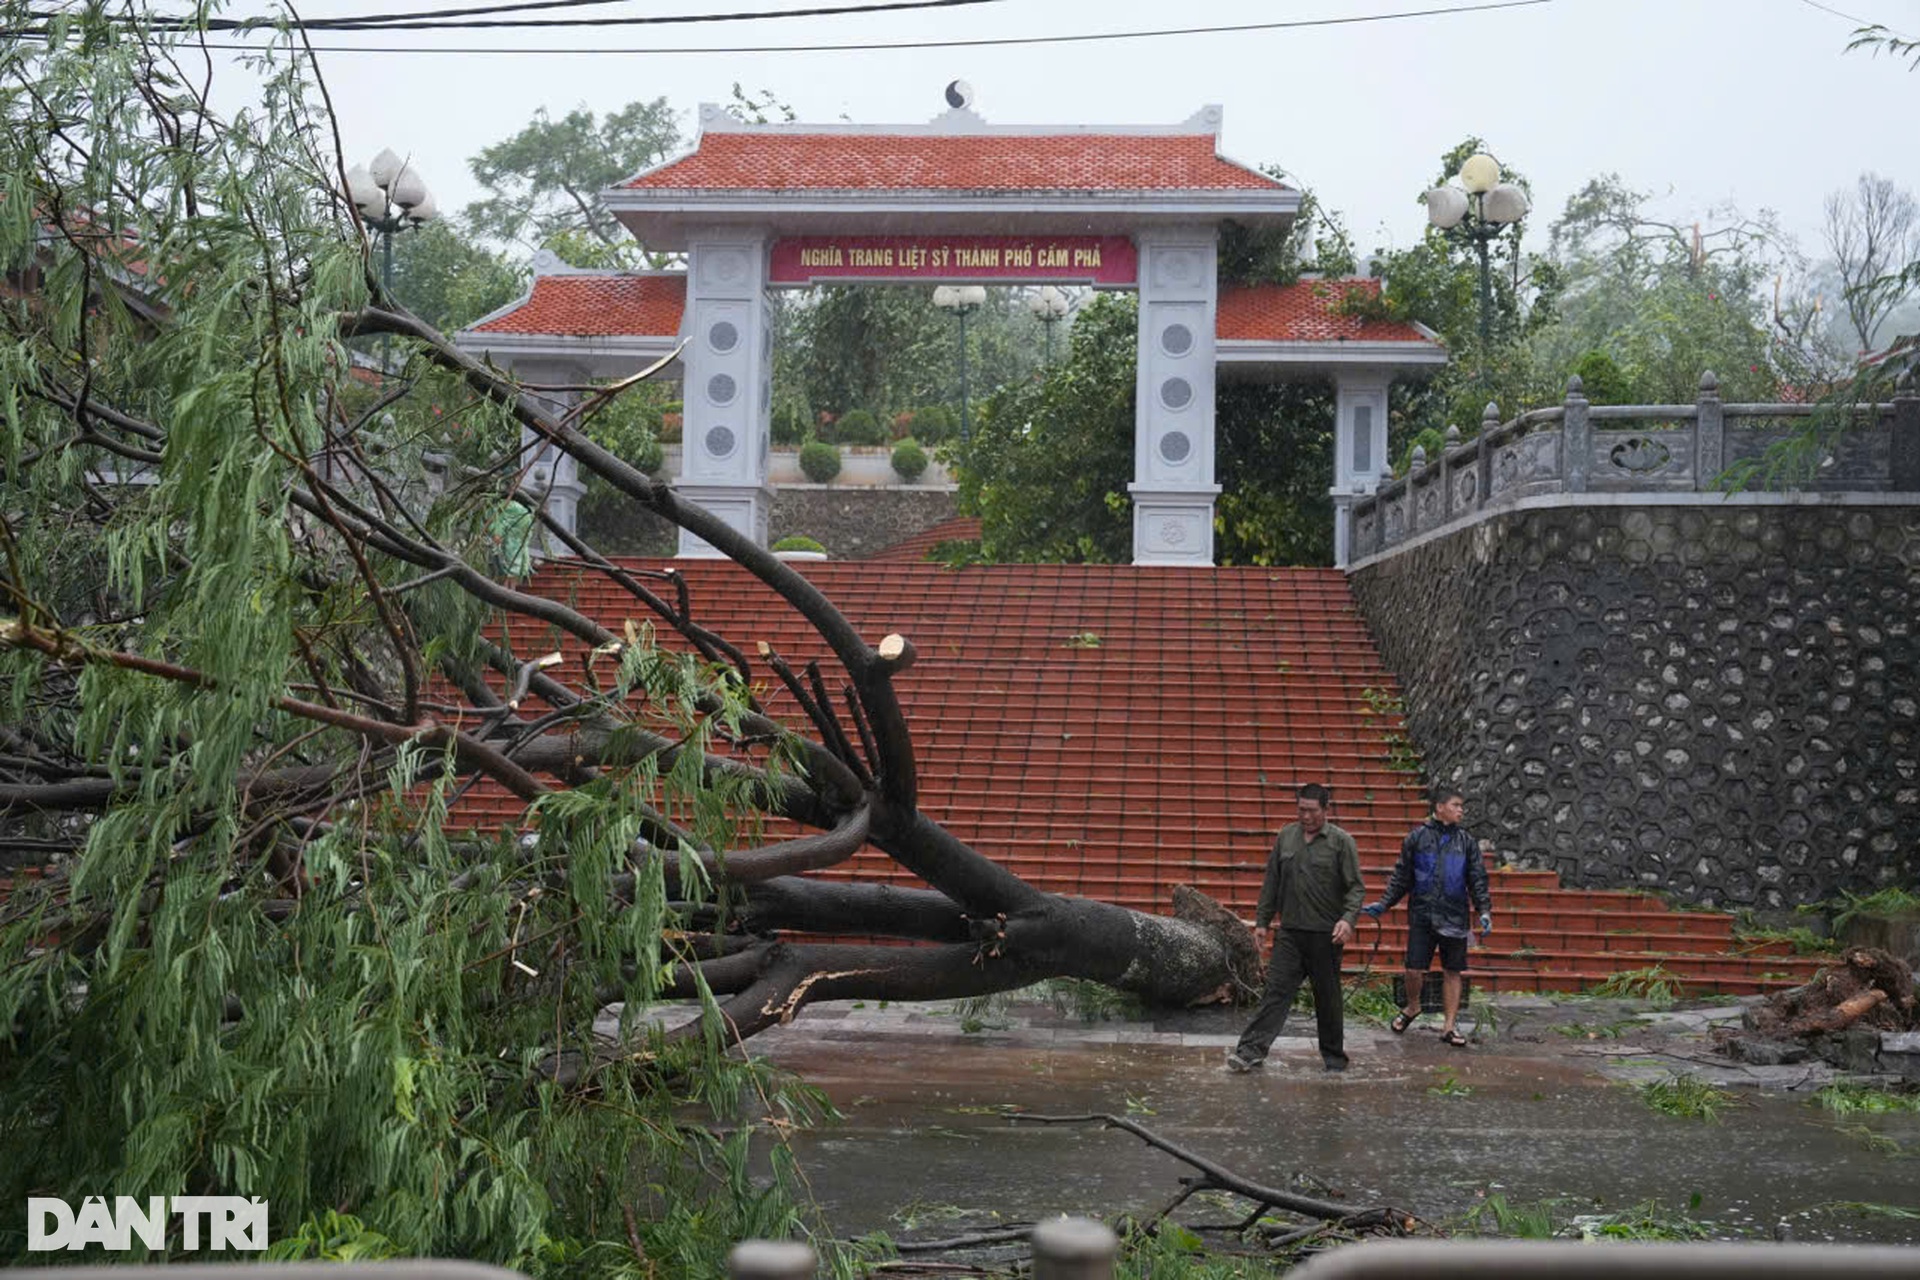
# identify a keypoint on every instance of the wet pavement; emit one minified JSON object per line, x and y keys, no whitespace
{"x":1543,"y":1108}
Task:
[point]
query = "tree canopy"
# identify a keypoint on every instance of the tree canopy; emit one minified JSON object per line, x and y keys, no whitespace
{"x":251,"y":655}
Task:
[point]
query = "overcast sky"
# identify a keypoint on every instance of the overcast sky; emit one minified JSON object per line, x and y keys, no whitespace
{"x":1750,"y":101}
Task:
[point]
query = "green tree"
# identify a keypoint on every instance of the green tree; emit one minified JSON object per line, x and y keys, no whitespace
{"x":544,"y":182}
{"x":449,"y":280}
{"x":242,"y":693}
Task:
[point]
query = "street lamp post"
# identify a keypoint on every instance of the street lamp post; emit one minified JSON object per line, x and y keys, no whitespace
{"x":1049,"y":307}
{"x":962,"y":300}
{"x":391,"y":197}
{"x":1483,"y":207}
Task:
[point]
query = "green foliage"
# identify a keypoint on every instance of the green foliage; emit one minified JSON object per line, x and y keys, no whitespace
{"x":1050,"y":461}
{"x":909,"y":460}
{"x":791,"y":421}
{"x":266,"y":962}
{"x":1602,"y":380}
{"x":859,"y":427}
{"x":1848,"y":1098}
{"x":798,"y":542}
{"x":1385,"y":705}
{"x":1804,"y":941}
{"x":543,"y":183}
{"x":1687,"y":1097}
{"x":1882,"y":902}
{"x":449,"y":280}
{"x":1315,"y":241}
{"x":1447,"y":1084}
{"x":1559,"y":1218}
{"x":819,"y":461}
{"x":1652,"y":984}
{"x":934,"y":424}
{"x":1372,"y":999}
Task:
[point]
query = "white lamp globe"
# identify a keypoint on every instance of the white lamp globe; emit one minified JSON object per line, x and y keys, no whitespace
{"x":408,"y":188}
{"x":946,"y":296}
{"x":365,"y":192}
{"x":1479,"y":173}
{"x":1505,"y":203}
{"x":972,"y":295}
{"x":425,"y":211}
{"x":1446,"y":206}
{"x":385,"y":167}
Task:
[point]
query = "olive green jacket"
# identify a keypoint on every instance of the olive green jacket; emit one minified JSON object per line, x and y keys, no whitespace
{"x":1311,"y":884}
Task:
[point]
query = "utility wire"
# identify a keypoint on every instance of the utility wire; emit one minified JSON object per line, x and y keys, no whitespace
{"x":462,"y":19}
{"x":892,"y":46}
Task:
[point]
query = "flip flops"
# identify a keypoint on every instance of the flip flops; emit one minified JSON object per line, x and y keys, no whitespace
{"x":1401,"y":1021}
{"x":1453,"y":1038}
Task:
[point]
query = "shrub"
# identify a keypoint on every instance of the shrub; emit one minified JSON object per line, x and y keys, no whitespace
{"x":819,"y":461}
{"x":649,"y":456}
{"x":932,"y":424}
{"x":859,"y":427}
{"x":798,"y":542}
{"x":909,"y":460}
{"x":789,"y":423}
{"x":1602,"y":379}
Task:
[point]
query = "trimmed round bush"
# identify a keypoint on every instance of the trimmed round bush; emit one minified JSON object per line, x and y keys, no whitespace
{"x":819,"y":461}
{"x":860,"y":427}
{"x":798,"y":542}
{"x":909,"y":460}
{"x":932,"y":424}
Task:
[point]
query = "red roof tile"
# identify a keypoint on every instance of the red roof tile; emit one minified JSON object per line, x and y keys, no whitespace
{"x":1305,"y":311}
{"x":918,"y":546}
{"x":968,"y":162}
{"x":597,"y":306}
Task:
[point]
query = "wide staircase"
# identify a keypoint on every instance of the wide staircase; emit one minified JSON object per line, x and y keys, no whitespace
{"x":1113,"y":731}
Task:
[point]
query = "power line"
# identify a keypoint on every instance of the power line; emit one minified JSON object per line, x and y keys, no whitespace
{"x":899,"y":45}
{"x":441,"y":20}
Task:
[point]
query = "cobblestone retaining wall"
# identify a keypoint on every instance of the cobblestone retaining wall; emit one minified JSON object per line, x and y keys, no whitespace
{"x":1718,"y":700}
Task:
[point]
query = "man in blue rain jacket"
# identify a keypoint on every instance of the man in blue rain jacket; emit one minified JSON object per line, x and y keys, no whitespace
{"x":1441,"y":875}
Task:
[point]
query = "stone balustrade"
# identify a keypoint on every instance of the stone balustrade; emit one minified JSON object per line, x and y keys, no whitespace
{"x":1578,"y":448}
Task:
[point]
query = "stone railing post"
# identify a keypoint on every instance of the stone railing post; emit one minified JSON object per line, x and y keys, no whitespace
{"x":1073,"y":1249}
{"x":1576,"y":439}
{"x":1489,"y":420}
{"x":1446,"y":472}
{"x":1709,"y":434}
{"x":1904,"y":453}
{"x":771,"y":1260}
{"x":1415,"y":465}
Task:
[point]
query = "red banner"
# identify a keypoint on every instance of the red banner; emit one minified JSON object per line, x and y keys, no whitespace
{"x":1098,"y":260}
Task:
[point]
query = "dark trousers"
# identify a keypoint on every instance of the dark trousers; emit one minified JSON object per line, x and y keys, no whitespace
{"x":1299,"y":954}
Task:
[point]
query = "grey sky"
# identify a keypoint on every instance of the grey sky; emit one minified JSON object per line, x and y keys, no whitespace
{"x":1750,"y":101}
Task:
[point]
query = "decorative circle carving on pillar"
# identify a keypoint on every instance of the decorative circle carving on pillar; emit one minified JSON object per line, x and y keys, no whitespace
{"x":721,"y":442}
{"x":721,"y":388}
{"x":1174,"y":446}
{"x":723,"y":336}
{"x":1173,"y":532}
{"x":1176,"y":393}
{"x":1176,"y":339}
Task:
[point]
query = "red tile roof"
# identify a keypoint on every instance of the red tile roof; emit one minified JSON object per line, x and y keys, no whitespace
{"x":967,"y":162}
{"x":1305,"y":311}
{"x":920,"y":545}
{"x":597,"y":306}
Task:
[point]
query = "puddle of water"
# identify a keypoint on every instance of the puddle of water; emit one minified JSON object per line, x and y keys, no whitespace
{"x":920,"y":1134}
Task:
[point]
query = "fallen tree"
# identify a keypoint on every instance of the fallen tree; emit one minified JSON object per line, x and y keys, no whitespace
{"x":251,"y":658}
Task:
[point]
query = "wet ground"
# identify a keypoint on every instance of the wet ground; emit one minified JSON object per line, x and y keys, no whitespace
{"x":1544,"y":1108}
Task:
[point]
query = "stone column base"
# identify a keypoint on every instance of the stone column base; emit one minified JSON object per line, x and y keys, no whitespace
{"x":1173,"y":525}
{"x":744,"y":508}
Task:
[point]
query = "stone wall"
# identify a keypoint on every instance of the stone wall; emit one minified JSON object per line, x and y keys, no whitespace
{"x":1714,"y":698}
{"x":851,"y":523}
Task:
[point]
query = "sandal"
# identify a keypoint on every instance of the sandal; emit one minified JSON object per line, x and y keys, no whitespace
{"x":1453,"y":1038}
{"x":1401,"y":1021}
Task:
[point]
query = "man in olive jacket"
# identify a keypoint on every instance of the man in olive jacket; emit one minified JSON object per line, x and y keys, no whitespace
{"x":1313,"y":881}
